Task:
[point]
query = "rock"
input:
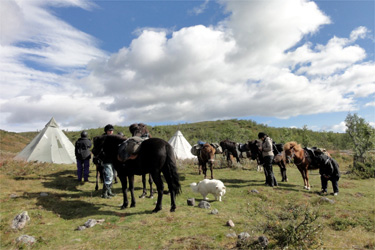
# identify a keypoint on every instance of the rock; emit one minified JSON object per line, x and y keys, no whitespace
{"x":214,"y":211}
{"x":43,"y":194}
{"x":191,"y":202}
{"x":243,"y":236}
{"x":13,"y":196}
{"x":204,"y":204}
{"x":232,"y":235}
{"x":89,"y":223}
{"x":325,"y":199}
{"x":20,"y":220}
{"x":255,"y":191}
{"x":80,"y":228}
{"x":263,"y":241}
{"x":230,"y":223}
{"x":26,"y":239}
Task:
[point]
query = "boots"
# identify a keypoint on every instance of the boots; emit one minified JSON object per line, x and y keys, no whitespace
{"x":110,"y":192}
{"x":106,"y":192}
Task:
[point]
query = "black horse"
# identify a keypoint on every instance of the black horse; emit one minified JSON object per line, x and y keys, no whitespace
{"x":155,"y":156}
{"x":279,"y":160}
{"x":230,"y":148}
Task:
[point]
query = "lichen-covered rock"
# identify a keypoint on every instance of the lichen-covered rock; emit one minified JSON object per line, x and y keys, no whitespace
{"x":20,"y":220}
{"x":26,"y":239}
{"x":204,"y":204}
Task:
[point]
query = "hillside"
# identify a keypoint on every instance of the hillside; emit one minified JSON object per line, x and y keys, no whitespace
{"x":210,"y":131}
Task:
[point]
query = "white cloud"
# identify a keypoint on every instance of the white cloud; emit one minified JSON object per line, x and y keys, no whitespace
{"x":238,"y":68}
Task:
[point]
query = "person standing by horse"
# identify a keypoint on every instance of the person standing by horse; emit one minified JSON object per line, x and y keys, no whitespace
{"x":267,"y":153}
{"x":83,"y":156}
{"x":328,"y":170}
{"x":108,"y":171}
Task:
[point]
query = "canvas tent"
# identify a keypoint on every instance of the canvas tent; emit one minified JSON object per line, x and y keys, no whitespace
{"x":181,"y":146}
{"x":50,"y":145}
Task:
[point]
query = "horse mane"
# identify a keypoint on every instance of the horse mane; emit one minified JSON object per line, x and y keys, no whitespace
{"x":292,"y":145}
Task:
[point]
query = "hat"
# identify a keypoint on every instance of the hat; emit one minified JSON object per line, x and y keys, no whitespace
{"x":108,"y":127}
{"x":261,"y":135}
{"x":83,"y":134}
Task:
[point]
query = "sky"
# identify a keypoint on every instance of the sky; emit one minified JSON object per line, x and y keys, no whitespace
{"x":290,"y":63}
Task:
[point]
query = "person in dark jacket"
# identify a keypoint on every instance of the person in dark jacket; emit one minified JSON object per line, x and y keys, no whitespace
{"x":267,"y":153}
{"x":108,"y":171}
{"x":83,"y":156}
{"x":328,"y":170}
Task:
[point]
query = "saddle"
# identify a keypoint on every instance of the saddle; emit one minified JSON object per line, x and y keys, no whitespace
{"x":312,"y":153}
{"x":217,"y":147}
{"x":128,"y":150}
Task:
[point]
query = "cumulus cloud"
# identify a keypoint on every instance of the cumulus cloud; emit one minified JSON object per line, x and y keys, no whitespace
{"x":250,"y":64}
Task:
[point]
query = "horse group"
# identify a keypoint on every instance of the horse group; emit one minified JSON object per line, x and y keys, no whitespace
{"x":283,"y":154}
{"x":156,"y":157}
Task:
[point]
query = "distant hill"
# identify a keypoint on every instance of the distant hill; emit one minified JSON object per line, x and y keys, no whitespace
{"x":211,"y":131}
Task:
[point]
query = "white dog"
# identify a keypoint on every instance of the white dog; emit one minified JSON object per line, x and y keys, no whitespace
{"x":215,"y":187}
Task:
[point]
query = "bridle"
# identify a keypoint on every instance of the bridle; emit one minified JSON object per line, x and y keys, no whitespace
{"x":293,"y":156}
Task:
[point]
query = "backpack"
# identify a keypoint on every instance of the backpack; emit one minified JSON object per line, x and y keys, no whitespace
{"x":81,"y":149}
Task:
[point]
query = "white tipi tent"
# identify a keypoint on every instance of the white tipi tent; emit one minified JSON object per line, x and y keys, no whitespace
{"x":50,"y":145}
{"x":181,"y":146}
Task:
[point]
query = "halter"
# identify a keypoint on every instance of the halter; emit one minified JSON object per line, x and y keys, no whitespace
{"x":293,"y":156}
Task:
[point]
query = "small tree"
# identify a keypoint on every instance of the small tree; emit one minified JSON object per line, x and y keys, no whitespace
{"x":305,"y":136}
{"x":363,"y":139}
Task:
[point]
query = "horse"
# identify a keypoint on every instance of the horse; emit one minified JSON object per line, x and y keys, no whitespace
{"x":279,"y":158}
{"x":301,"y":159}
{"x":141,"y":130}
{"x":206,"y":155}
{"x":154,"y":157}
{"x":230,"y":147}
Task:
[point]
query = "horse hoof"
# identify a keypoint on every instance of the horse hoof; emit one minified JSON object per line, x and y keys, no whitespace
{"x":173,"y":210}
{"x":132,"y":205}
{"x":142,"y":196}
{"x":156,"y":210}
{"x":123,"y":207}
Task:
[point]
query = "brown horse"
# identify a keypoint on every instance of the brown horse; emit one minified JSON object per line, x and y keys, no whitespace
{"x":207,"y":155}
{"x":301,"y":159}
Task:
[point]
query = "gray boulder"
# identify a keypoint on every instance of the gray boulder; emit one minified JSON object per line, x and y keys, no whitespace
{"x":204,"y":204}
{"x":20,"y":220}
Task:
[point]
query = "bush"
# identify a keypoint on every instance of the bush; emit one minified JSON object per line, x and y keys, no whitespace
{"x":296,"y":228}
{"x":363,"y":170}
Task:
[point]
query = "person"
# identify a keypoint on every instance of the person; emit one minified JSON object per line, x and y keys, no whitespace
{"x":108,"y":129}
{"x":83,"y":156}
{"x":267,"y":153}
{"x":328,"y":170}
{"x":108,"y":171}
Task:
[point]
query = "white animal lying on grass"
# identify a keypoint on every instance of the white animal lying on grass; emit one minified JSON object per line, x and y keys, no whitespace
{"x":205,"y":187}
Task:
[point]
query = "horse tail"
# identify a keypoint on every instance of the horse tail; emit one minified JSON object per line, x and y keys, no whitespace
{"x":170,"y":174}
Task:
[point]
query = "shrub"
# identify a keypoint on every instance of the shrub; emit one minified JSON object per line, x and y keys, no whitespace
{"x":296,"y":228}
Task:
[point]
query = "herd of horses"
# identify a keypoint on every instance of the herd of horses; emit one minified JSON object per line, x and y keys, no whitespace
{"x":156,"y":157}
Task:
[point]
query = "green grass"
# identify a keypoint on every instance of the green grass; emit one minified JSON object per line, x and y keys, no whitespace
{"x":347,"y":224}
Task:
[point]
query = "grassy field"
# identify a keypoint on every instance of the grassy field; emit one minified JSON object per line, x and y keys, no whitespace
{"x":273,"y":212}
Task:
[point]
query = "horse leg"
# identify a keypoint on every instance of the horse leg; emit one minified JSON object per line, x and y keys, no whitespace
{"x":131,"y":188}
{"x":150,"y":181}
{"x":97,"y":176}
{"x":307,"y":179}
{"x":144,"y":193}
{"x":204,"y":169}
{"x":283,"y":171}
{"x":302,"y":171}
{"x":211,"y":162}
{"x":124,"y":185}
{"x":160,"y":187}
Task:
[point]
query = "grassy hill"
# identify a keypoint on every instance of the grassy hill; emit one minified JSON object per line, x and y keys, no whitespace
{"x":210,"y":131}
{"x":286,"y":214}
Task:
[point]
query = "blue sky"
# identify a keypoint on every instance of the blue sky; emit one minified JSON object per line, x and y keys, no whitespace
{"x":282,"y":63}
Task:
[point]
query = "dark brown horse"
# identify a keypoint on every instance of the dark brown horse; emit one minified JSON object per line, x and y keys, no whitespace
{"x":301,"y":159}
{"x":154,"y":157}
{"x":207,"y":156}
{"x":141,"y":130}
{"x":279,"y":158}
{"x":230,"y":148}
